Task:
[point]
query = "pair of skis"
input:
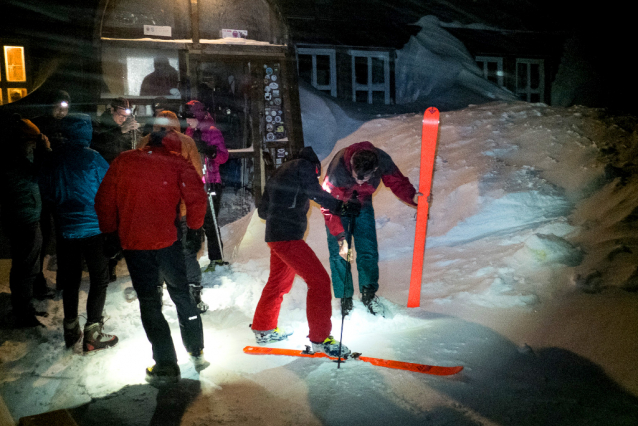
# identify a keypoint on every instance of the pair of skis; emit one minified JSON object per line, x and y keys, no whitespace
{"x":398,"y":365}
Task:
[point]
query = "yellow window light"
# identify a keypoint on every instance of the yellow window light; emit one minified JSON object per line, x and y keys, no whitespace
{"x":14,"y":64}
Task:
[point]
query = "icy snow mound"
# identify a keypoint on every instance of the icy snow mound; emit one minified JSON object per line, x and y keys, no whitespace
{"x":434,"y":66}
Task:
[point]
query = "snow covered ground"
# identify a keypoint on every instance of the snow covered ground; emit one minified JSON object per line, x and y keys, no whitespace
{"x":530,"y":283}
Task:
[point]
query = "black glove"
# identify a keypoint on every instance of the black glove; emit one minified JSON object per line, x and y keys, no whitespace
{"x":352,"y":208}
{"x":193,"y":240}
{"x":112,"y":246}
{"x":210,"y":151}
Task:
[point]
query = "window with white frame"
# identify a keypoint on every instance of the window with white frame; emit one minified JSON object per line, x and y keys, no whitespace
{"x":370,"y":76}
{"x":530,"y":79}
{"x":492,"y":68}
{"x":319,"y":68}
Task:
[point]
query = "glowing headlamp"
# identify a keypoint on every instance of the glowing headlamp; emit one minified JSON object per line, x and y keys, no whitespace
{"x":64,"y":104}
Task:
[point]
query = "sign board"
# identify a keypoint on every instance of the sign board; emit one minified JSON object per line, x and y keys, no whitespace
{"x":155,"y":30}
{"x":234,"y":33}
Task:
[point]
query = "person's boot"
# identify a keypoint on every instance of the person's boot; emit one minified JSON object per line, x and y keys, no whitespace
{"x":196,"y":292}
{"x":72,"y":332}
{"x":95,"y":339}
{"x":198,"y":360}
{"x":269,"y":336}
{"x":330,"y":347}
{"x":215,"y":263}
{"x":163,"y":374}
{"x":346,"y":306}
{"x":372,"y":302}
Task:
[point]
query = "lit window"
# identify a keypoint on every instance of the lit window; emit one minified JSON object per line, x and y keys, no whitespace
{"x":16,"y":93}
{"x":14,"y":63}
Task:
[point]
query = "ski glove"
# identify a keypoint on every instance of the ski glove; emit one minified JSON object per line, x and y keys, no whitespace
{"x":193,"y":240}
{"x":112,"y":246}
{"x":344,"y":250}
{"x":210,"y":151}
{"x":352,"y":208}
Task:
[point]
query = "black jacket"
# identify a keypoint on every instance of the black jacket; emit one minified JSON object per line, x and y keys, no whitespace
{"x":287,"y":196}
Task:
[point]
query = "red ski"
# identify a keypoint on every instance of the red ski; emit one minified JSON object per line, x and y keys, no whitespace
{"x":398,"y":365}
{"x":428,"y":148}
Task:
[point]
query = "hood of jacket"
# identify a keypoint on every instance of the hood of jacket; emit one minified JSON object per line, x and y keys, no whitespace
{"x":77,"y":129}
{"x":354,"y":148}
{"x":307,"y":153}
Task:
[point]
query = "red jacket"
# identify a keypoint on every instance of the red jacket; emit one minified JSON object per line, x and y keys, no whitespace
{"x":340,"y":183}
{"x":141,"y":192}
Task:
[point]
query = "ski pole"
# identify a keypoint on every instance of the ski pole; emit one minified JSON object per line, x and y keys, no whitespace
{"x":212,"y":210}
{"x":349,"y":234}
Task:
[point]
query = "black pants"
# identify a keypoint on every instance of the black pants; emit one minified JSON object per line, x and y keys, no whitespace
{"x":211,"y":231}
{"x":70,"y":254}
{"x":193,"y":271}
{"x":26,"y":244}
{"x":147,"y":269}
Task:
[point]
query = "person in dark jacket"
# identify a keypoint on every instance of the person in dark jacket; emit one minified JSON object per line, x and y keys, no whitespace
{"x":25,"y":150}
{"x":69,"y":181}
{"x":117,"y":132}
{"x":50,"y":124}
{"x":360,"y":167}
{"x":284,"y":206}
{"x":138,"y":203}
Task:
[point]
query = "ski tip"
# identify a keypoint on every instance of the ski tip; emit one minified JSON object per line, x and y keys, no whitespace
{"x":432,"y":110}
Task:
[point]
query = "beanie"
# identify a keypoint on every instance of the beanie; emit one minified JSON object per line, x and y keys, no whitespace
{"x":167,"y":120}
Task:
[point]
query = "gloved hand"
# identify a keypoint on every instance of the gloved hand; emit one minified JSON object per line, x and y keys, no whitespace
{"x":112,"y":246}
{"x":344,"y":249}
{"x":193,"y":240}
{"x":352,"y":208}
{"x":210,"y":151}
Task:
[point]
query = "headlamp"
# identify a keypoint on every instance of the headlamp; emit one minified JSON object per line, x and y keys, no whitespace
{"x":64,"y":104}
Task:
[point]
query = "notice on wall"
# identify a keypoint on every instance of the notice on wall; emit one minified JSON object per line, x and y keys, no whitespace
{"x":273,"y":108}
{"x":156,"y":30}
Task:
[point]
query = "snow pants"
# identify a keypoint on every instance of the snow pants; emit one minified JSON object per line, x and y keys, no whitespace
{"x":210,"y":229}
{"x":287,"y":259}
{"x":147,"y":268}
{"x":69,"y":276}
{"x":365,"y":243}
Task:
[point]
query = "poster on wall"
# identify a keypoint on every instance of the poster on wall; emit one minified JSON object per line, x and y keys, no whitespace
{"x":274,"y":127}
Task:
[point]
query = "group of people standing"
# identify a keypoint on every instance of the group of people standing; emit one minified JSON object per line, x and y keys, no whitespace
{"x":151,"y":199}
{"x":114,"y":193}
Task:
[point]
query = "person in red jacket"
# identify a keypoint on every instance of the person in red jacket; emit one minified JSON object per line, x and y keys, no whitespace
{"x":138,"y":202}
{"x":360,"y":167}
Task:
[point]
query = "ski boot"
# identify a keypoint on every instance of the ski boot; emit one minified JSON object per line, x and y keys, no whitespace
{"x":213,"y":264}
{"x":196,"y":293}
{"x":330,"y":347}
{"x":372,"y":302}
{"x":95,"y":339}
{"x":269,"y":336}
{"x":163,"y":374}
{"x":346,"y":306}
{"x":198,"y":360}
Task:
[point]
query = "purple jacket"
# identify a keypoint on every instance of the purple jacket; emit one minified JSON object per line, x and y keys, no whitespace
{"x":206,"y":133}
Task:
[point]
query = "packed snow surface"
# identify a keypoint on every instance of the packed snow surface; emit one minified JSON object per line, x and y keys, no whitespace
{"x":529,"y":283}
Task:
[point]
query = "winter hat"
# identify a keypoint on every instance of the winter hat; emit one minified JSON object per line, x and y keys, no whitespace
{"x":59,"y":97}
{"x":197,"y":108}
{"x":25,"y":128}
{"x":160,"y":102}
{"x":167,"y":120}
{"x":77,"y":128}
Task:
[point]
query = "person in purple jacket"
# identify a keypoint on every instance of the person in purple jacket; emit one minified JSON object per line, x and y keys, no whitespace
{"x":210,"y":144}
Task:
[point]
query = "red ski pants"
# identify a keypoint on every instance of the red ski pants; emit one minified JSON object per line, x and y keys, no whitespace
{"x":287,"y":259}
